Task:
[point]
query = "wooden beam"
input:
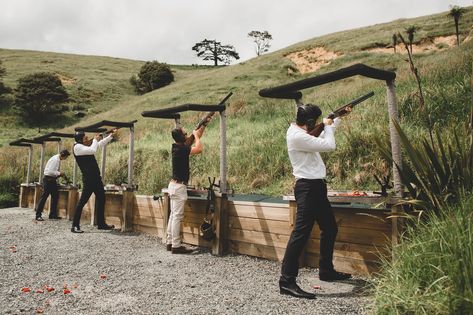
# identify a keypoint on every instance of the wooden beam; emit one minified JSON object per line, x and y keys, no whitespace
{"x":127,"y":210}
{"x":220,"y":221}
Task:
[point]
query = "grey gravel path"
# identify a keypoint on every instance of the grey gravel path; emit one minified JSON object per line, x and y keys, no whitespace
{"x":131,"y":273}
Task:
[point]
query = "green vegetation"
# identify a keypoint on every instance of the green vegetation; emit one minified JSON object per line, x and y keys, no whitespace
{"x":257,"y":158}
{"x":433,"y":268}
{"x":153,"y":75}
{"x":38,"y":97}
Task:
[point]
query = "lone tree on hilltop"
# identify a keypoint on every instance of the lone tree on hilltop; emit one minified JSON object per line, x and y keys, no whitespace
{"x":411,"y":30}
{"x":210,"y":49}
{"x":456,"y":12}
{"x":38,"y":97}
{"x":5,"y":91}
{"x":261,"y":40}
{"x":153,"y":75}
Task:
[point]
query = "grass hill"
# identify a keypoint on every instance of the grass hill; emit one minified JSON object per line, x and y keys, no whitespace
{"x":257,"y":158}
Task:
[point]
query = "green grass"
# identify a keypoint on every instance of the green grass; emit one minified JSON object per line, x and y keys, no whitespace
{"x":257,"y":158}
{"x":433,"y":267}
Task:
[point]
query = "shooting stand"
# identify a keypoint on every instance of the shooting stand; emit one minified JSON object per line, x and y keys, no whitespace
{"x":292,"y":91}
{"x":220,"y":221}
{"x":25,"y":187}
{"x":125,"y":193}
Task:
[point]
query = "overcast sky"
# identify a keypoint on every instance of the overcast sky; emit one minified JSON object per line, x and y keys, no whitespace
{"x":166,"y":30}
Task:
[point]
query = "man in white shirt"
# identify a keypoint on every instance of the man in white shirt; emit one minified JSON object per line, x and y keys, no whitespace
{"x":310,"y":192}
{"x":51,"y":173}
{"x":92,"y":181}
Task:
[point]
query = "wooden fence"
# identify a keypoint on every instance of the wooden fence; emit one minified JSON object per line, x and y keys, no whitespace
{"x":260,"y":229}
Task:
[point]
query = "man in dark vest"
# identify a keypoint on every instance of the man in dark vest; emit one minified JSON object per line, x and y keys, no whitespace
{"x":92,"y":181}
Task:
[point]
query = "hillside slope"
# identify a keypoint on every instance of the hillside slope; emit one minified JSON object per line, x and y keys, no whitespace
{"x":257,"y":158}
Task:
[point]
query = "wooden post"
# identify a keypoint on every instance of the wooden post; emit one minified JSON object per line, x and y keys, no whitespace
{"x":220,"y":220}
{"x":38,"y":190}
{"x":30,"y":158}
{"x":23,"y":196}
{"x":223,"y":153}
{"x":166,"y":212}
{"x":127,"y":210}
{"x":396,"y":211}
{"x":72,"y":198}
{"x":131,"y":158}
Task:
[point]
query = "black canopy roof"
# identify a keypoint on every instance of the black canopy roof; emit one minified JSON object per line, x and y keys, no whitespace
{"x":291,"y":90}
{"x":97,"y":126}
{"x":172,"y":112}
{"x":20,"y":143}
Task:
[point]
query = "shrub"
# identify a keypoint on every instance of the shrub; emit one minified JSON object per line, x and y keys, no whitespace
{"x":433,"y":269}
{"x":8,"y":191}
{"x":153,"y":75}
{"x":38,"y":97}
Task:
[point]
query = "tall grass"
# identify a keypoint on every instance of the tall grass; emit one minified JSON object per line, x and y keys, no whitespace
{"x":432,"y":272}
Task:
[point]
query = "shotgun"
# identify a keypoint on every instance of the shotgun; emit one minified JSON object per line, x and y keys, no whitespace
{"x":204,"y":121}
{"x":340,"y":112}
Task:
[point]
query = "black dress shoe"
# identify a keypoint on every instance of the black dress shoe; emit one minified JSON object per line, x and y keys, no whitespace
{"x":168,"y":247}
{"x":55,"y":218}
{"x":39,"y":219}
{"x":291,"y":288}
{"x":76,"y":229}
{"x":181,"y":250}
{"x":333,"y":275}
{"x":106,"y":227}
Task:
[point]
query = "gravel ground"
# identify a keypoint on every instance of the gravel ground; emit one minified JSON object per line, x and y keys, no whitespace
{"x":132,"y":273}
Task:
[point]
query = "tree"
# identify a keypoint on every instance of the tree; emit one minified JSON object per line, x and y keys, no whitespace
{"x":410,"y":35}
{"x":215,"y":51}
{"x":5,"y":91}
{"x":153,"y":75}
{"x":261,"y":40}
{"x":456,"y":12}
{"x":38,"y":96}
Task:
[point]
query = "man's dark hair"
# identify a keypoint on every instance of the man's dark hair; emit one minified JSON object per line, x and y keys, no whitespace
{"x":307,"y":114}
{"x":79,"y":136}
{"x":64,"y":153}
{"x":178,"y":135}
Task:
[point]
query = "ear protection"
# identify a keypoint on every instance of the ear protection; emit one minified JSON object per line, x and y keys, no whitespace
{"x":307,"y":115}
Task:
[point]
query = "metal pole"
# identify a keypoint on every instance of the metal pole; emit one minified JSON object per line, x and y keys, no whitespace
{"x":58,"y":147}
{"x":131,"y":157}
{"x":223,"y":153}
{"x":30,"y":157}
{"x":41,"y":163}
{"x":395,"y":143}
{"x":104,"y":157}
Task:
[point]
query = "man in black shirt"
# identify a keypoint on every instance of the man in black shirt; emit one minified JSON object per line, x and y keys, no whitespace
{"x":178,"y":186}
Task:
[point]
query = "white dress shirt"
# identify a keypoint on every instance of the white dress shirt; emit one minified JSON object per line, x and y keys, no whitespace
{"x":52,"y":167}
{"x":303,"y":150}
{"x":80,"y":149}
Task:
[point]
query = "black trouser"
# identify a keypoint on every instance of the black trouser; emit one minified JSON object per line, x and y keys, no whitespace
{"x":91,"y":186}
{"x":49,"y":188}
{"x":312,"y":205}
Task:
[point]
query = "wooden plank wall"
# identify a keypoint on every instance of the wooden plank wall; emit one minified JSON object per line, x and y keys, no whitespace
{"x":148,"y":215}
{"x":263,"y":230}
{"x":259,"y":229}
{"x":363,"y":235}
